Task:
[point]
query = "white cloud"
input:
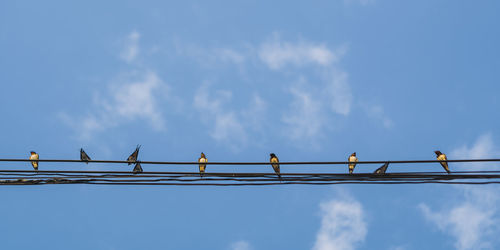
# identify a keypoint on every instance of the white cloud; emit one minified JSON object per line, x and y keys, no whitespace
{"x":342,"y":225}
{"x":305,"y":119}
{"x":210,"y":57}
{"x":467,"y":222}
{"x":131,"y":48}
{"x":312,"y":105}
{"x":340,"y":92}
{"x":240,"y":245}
{"x":377,"y":112}
{"x":472,"y":222}
{"x":482,"y":148}
{"x":135,"y":97}
{"x":277,"y":54}
{"x":255,"y":113}
{"x":226,"y":125}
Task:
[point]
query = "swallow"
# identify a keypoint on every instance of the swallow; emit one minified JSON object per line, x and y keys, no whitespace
{"x":84,"y":156}
{"x":133,"y":157}
{"x":382,"y":169}
{"x":201,"y":160}
{"x":34,"y":156}
{"x":352,"y":158}
{"x":275,"y":163}
{"x":442,"y":157}
{"x":137,"y":168}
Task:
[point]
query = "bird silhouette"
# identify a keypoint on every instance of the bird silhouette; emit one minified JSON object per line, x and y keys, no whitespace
{"x":133,"y":157}
{"x":382,"y":169}
{"x":137,"y":168}
{"x":84,"y":156}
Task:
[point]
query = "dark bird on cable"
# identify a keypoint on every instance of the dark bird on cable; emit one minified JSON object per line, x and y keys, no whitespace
{"x":137,"y":168}
{"x":34,"y":156}
{"x":202,"y":160}
{"x":84,"y":156}
{"x":133,"y":157}
{"x":382,"y":169}
{"x":275,"y":163}
{"x":353,"y":159}
{"x":442,"y":157}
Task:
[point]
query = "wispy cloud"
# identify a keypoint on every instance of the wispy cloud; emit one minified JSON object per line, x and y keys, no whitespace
{"x":339,"y":91}
{"x":212,"y":56}
{"x":472,"y":221}
{"x":277,"y":53}
{"x":226,"y":125}
{"x":343,"y":225}
{"x":255,"y":114}
{"x":131,"y":47}
{"x":240,"y":245}
{"x":377,"y":113}
{"x":313,"y":105}
{"x":469,"y":223}
{"x":305,"y":118}
{"x":131,"y":97}
{"x":482,"y":148}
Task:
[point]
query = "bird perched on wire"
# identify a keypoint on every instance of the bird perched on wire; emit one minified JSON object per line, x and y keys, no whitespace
{"x":34,"y":156}
{"x":354,"y":159}
{"x":382,"y":169}
{"x":137,"y":168}
{"x":202,"y":160}
{"x":442,"y":157}
{"x":133,"y":157}
{"x":84,"y":156}
{"x":275,"y":164}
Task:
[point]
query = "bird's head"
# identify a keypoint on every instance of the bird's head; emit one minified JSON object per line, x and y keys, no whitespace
{"x":33,"y":152}
{"x":353,"y":154}
{"x":202,"y":155}
{"x":438,"y":153}
{"x":272,"y":155}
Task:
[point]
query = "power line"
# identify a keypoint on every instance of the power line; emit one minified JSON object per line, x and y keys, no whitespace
{"x":250,"y":163}
{"x":26,"y":177}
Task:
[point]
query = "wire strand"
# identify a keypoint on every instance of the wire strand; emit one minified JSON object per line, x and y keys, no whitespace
{"x":250,"y":163}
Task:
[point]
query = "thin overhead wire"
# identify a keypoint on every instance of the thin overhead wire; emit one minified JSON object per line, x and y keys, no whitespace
{"x":250,"y":163}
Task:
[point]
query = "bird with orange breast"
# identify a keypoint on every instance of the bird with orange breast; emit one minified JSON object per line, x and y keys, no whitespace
{"x":352,"y":159}
{"x":275,"y":164}
{"x":202,"y":160}
{"x":442,"y":157}
{"x":34,"y":156}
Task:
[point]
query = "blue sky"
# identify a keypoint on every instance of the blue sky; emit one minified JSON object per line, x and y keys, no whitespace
{"x":237,"y":80}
